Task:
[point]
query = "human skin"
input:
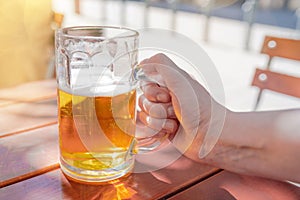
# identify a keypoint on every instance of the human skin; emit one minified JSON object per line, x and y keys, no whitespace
{"x":262,"y":144}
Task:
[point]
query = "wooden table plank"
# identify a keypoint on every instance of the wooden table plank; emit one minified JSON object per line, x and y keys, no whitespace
{"x":28,"y":92}
{"x":23,"y":116}
{"x":6,"y":102}
{"x":229,"y":186}
{"x":53,"y":185}
{"x":25,"y":153}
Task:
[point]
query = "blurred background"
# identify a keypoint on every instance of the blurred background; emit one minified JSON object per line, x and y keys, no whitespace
{"x":231,"y":32}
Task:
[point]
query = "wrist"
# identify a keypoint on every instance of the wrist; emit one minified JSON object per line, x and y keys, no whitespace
{"x":240,"y":145}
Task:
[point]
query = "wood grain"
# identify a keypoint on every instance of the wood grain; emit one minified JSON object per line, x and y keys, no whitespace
{"x":28,"y":152}
{"x":53,"y":185}
{"x":26,"y":116}
{"x":29,"y":92}
{"x":29,"y":175}
{"x":229,"y":186}
{"x":6,"y":102}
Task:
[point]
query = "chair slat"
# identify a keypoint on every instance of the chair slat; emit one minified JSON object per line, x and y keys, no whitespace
{"x":282,"y":83}
{"x":281,"y":47}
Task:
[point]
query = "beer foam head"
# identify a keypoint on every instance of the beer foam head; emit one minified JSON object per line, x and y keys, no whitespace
{"x":104,"y":90}
{"x":98,"y":81}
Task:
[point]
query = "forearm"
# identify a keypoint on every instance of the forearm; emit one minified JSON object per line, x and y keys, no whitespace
{"x":260,"y":143}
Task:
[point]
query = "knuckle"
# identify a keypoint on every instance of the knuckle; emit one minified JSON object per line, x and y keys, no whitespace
{"x":158,"y":110}
{"x":159,"y":57}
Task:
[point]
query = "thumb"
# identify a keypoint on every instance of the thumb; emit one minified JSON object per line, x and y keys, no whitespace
{"x":162,"y":67}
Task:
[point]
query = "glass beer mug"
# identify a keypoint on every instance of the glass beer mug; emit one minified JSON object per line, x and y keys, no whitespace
{"x":97,"y":101}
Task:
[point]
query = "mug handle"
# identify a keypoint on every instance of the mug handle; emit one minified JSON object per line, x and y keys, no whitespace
{"x":145,"y":144}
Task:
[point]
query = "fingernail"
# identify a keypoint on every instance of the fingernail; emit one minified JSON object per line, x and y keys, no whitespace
{"x":158,"y":110}
{"x":162,"y":97}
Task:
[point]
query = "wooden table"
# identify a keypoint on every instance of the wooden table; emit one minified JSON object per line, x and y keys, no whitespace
{"x":29,"y":166}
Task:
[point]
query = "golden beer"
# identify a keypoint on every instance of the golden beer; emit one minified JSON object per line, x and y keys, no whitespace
{"x":104,"y":152}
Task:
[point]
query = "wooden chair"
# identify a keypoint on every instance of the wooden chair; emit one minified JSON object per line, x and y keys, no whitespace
{"x":77,"y":6}
{"x":278,"y":82}
{"x":57,"y":22}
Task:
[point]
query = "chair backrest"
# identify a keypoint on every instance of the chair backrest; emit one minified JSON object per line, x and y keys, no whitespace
{"x":278,"y":82}
{"x":281,"y":47}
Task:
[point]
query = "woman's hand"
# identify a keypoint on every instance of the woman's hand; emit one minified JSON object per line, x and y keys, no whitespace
{"x":178,"y":98}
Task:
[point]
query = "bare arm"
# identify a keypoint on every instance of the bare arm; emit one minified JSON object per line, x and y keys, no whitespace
{"x":255,"y":143}
{"x":261,"y":144}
